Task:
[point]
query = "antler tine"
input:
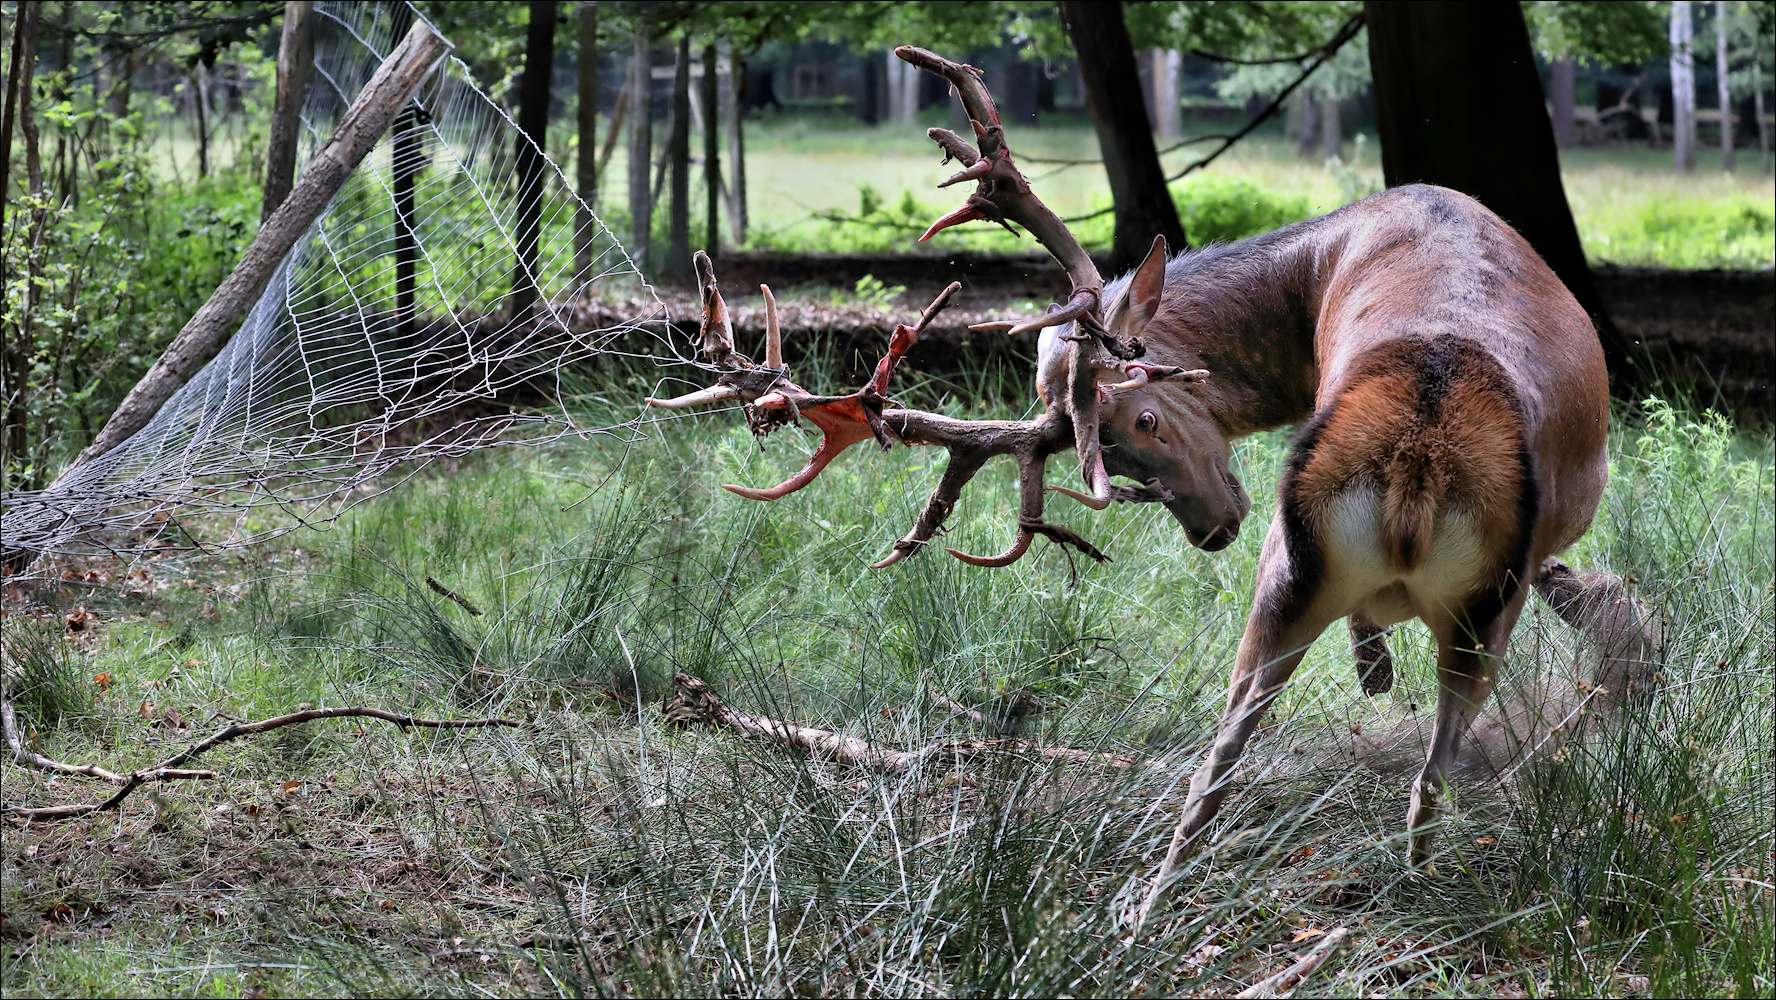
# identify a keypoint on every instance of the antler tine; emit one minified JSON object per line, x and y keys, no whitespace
{"x":1030,"y":467}
{"x":956,"y":475}
{"x":773,"y":335}
{"x":1003,"y":193}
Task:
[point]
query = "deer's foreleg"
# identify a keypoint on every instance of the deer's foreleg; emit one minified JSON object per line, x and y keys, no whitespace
{"x":1375,"y":665}
{"x":1288,"y":614}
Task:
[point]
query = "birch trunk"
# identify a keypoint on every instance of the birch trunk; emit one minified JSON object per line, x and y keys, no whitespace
{"x":1722,"y":84}
{"x":1683,"y":88}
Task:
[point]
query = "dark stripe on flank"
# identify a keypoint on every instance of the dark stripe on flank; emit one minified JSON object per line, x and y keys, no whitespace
{"x":1307,"y":563}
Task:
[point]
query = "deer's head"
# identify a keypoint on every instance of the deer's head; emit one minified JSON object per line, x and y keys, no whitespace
{"x":1158,"y":432}
{"x":1120,"y":414}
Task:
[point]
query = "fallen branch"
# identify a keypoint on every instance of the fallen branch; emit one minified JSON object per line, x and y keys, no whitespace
{"x":692,"y":701}
{"x":1289,"y":978}
{"x":26,"y":757}
{"x":169,"y":770}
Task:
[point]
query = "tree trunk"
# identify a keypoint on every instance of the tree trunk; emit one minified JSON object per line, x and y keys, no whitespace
{"x":1722,"y":84}
{"x":678,"y":249}
{"x":117,"y":99}
{"x":1447,"y":77}
{"x":737,"y":144}
{"x":618,"y":115}
{"x":586,"y":160}
{"x":15,"y":442}
{"x":533,"y":122}
{"x":1763,"y":129}
{"x":1683,"y":88}
{"x":712,"y":178}
{"x":1143,"y":206}
{"x":1331,"y":127}
{"x":294,"y":64}
{"x":200,"y":78}
{"x":1310,"y":121}
{"x":1168,"y":83}
{"x":641,"y":142}
{"x":388,"y":91}
{"x":1561,"y":87}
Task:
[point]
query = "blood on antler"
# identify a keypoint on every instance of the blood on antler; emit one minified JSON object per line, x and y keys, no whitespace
{"x":1003,"y":196}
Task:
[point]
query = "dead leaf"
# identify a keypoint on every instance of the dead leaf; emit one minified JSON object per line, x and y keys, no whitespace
{"x":31,"y":852}
{"x":1485,"y":841}
{"x":387,"y":904}
{"x":1311,"y":932}
{"x":172,"y":718}
{"x":76,"y":620}
{"x":146,"y":710}
{"x":59,"y":913}
{"x":103,"y":681}
{"x":289,"y":786}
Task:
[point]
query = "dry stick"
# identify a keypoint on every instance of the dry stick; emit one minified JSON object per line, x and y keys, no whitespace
{"x":396,"y":80}
{"x":692,"y":700}
{"x":168,"y":770}
{"x":1289,"y":978}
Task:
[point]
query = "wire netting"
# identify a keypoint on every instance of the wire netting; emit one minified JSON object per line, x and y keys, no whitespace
{"x":390,"y":336}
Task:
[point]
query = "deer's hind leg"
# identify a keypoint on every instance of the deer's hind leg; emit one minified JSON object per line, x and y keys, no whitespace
{"x":1469,"y":655}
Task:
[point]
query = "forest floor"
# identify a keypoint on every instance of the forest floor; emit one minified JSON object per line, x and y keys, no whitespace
{"x":601,"y":850}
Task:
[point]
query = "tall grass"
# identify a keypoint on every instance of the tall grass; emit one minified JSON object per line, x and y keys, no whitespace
{"x":603,"y":852}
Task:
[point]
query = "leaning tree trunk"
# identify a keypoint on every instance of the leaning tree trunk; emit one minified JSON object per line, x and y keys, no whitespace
{"x":586,"y":161}
{"x":200,"y":78}
{"x":1722,"y":84}
{"x":294,"y":65}
{"x":712,"y":182}
{"x":1143,"y":205}
{"x":1683,"y":88}
{"x":533,"y":122}
{"x":678,"y":247}
{"x":1458,"y":103}
{"x":641,"y":145}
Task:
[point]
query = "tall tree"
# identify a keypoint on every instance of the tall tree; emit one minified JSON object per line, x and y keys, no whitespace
{"x":15,"y":442}
{"x":1683,"y":87}
{"x":533,"y":121}
{"x":737,"y":143}
{"x":586,"y":169}
{"x":294,"y":64}
{"x":409,"y":136}
{"x":1446,"y":76}
{"x":1723,"y":84}
{"x":1144,"y":207}
{"x":678,"y":151}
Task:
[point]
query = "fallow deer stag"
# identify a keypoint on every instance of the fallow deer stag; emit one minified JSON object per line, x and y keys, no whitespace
{"x":1453,"y":400}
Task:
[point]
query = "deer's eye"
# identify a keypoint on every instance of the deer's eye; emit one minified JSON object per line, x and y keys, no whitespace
{"x":1147,"y":423}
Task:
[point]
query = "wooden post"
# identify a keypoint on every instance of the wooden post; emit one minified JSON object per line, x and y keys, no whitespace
{"x":737,"y":143}
{"x":294,"y":66}
{"x":711,"y":151}
{"x":586,"y":162}
{"x":678,"y":247}
{"x":533,"y":122}
{"x":395,"y":82}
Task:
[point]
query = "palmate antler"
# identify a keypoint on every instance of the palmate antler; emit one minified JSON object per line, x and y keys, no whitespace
{"x":1001,"y":195}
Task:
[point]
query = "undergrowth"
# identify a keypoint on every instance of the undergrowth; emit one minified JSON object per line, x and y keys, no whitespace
{"x":599,"y":851}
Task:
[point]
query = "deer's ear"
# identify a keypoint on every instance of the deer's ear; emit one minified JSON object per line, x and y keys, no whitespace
{"x":1147,"y":285}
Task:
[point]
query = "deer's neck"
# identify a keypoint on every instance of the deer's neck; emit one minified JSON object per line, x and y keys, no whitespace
{"x":1247,"y":312}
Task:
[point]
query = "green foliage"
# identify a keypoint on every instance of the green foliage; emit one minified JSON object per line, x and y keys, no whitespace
{"x":1216,"y":208}
{"x":1684,"y":232}
{"x":1609,"y":31}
